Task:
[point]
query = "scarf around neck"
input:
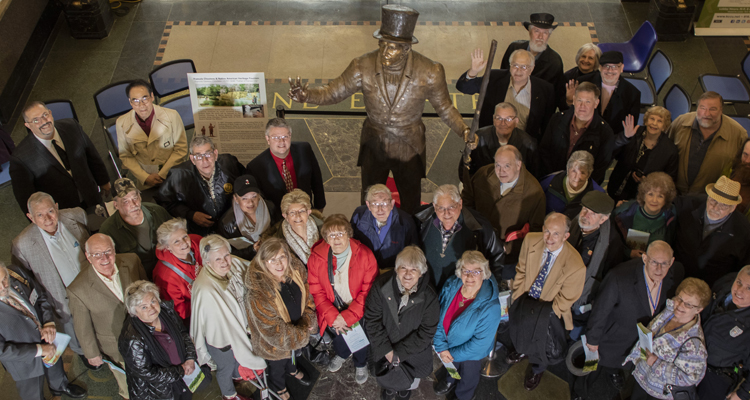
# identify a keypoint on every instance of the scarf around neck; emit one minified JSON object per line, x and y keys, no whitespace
{"x":247,"y":228}
{"x":298,"y":245}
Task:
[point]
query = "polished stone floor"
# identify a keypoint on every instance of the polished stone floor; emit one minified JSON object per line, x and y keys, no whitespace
{"x":75,"y":69}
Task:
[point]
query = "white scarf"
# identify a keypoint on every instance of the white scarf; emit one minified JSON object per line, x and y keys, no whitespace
{"x":247,"y":228}
{"x":299,"y":246}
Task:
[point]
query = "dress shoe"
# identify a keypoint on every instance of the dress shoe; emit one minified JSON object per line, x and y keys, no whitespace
{"x":532,"y":380}
{"x":442,"y":387}
{"x":73,"y":391}
{"x":88,"y":365}
{"x":616,"y":381}
{"x":514,"y":357}
{"x":305,"y":380}
{"x":403,"y":395}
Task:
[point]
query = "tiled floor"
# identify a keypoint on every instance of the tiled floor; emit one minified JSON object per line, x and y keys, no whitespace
{"x":75,"y":69}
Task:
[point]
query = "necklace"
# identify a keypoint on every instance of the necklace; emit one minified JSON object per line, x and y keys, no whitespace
{"x":463,"y":299}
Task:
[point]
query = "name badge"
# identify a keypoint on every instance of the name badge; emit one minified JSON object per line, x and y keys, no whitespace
{"x":166,"y":144}
{"x":32,"y":297}
{"x":736,"y":331}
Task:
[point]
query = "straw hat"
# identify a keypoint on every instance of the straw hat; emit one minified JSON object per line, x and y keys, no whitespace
{"x":725,"y":191}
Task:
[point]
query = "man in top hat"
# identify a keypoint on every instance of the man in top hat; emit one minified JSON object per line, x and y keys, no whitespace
{"x":711,"y":238}
{"x":395,"y":82}
{"x":548,"y":64}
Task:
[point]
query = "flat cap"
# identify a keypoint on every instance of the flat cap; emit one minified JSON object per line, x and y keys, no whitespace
{"x":598,"y":202}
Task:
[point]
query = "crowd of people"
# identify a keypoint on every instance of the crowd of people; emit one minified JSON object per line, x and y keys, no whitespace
{"x":235,"y":269}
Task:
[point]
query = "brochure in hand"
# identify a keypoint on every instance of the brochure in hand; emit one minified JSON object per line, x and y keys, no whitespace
{"x":61,"y":343}
{"x":356,"y":338}
{"x":592,"y":357}
{"x":645,"y":340}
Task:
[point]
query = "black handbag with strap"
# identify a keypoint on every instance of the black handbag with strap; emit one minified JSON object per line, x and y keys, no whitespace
{"x":682,"y":392}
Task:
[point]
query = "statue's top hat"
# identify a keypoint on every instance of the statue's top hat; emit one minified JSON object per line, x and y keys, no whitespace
{"x":397,"y":24}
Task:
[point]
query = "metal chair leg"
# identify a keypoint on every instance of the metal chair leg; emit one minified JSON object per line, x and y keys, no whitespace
{"x":489,"y":370}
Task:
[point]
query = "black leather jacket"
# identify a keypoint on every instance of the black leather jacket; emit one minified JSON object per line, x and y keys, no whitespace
{"x":146,"y":380}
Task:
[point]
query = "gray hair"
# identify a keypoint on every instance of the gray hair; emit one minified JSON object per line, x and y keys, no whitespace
{"x":588,"y":47}
{"x":212,"y":243}
{"x":518,"y":52}
{"x":112,"y":241}
{"x":446,"y":190}
{"x":37,"y":198}
{"x":167,"y":229}
{"x":278,"y":123}
{"x":412,"y":256}
{"x":554,"y":214}
{"x":745,"y":269}
{"x":199,"y":140}
{"x":136,"y":292}
{"x":506,"y":105}
{"x":582,"y":159}
{"x":474,"y":257}
{"x":378,"y":189}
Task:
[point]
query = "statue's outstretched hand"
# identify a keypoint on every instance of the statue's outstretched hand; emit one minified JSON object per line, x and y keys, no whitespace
{"x":297,"y":92}
{"x":472,"y":144}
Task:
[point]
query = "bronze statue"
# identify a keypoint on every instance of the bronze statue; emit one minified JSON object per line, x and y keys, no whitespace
{"x":395,"y":82}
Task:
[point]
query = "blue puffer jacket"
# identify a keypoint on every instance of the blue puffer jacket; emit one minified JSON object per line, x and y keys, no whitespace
{"x":472,"y":334}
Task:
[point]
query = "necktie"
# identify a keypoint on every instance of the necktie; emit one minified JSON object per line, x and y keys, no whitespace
{"x":16,"y":303}
{"x":287,"y":176}
{"x":536,"y":288}
{"x":63,"y":155}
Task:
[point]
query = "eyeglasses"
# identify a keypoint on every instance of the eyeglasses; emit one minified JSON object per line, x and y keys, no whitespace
{"x":335,"y":235}
{"x":380,"y":205}
{"x":280,"y":138}
{"x":142,"y":100}
{"x":651,"y":262}
{"x":444,"y":209}
{"x":199,"y":157}
{"x":721,"y":206}
{"x":501,"y":119}
{"x":679,"y":299}
{"x":278,"y":260}
{"x":470,"y":272}
{"x":296,"y":213}
{"x":520,"y":66}
{"x":45,"y":117}
{"x":98,"y":256}
{"x":611,"y":67}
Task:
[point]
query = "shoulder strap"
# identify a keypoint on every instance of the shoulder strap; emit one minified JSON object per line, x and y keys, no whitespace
{"x":18,"y":277}
{"x":178,"y":272}
{"x":677,"y":354}
{"x":337,"y":302}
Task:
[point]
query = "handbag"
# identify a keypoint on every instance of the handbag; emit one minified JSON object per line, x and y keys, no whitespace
{"x":317,"y":353}
{"x":394,"y":377}
{"x":682,"y":392}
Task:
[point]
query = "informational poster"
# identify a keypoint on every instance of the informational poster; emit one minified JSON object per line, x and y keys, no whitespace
{"x":231,"y":109}
{"x":724,"y":18}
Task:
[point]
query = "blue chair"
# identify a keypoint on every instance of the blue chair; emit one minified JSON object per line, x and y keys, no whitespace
{"x":184,"y":107}
{"x":62,"y":109}
{"x":111,"y":102}
{"x":637,"y":50}
{"x":742,"y":120}
{"x":677,"y":101}
{"x":647,"y":94}
{"x":659,"y":69}
{"x":640,"y":119}
{"x":746,"y":66}
{"x":171,"y":77}
{"x":730,"y":87}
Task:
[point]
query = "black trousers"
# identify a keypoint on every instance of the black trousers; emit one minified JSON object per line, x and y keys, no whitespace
{"x":342,"y":350}
{"x":33,"y":388}
{"x":277,"y":370}
{"x":640,"y":394}
{"x":469,"y":371}
{"x":583,"y":384}
{"x":407,"y":175}
{"x":715,"y":386}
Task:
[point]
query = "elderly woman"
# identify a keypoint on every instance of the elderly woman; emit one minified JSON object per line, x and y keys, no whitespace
{"x":587,"y":64}
{"x":564,"y":190}
{"x":652,"y":213}
{"x":469,"y":317}
{"x":179,"y":262}
{"x":300,"y":226}
{"x":247,"y":219}
{"x":219,"y":325}
{"x":679,"y":354}
{"x":402,"y":312}
{"x":641,"y":150}
{"x":280,"y":310}
{"x":156,"y":346}
{"x":341,"y":272}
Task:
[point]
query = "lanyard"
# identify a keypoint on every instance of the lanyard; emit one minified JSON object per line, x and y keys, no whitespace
{"x":651,"y":301}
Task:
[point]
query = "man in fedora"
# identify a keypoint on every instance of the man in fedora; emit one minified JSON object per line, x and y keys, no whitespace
{"x":548,"y":64}
{"x":395,"y":82}
{"x":711,"y":238}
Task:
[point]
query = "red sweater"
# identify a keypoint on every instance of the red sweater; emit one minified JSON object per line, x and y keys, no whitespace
{"x":172,"y":286}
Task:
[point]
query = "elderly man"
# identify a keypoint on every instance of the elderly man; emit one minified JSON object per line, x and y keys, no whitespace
{"x":581,"y":128}
{"x":96,"y":302}
{"x":533,"y":98}
{"x":200,"y":190}
{"x":57,"y":157}
{"x":711,"y":237}
{"x":381,"y":227}
{"x":549,"y":65}
{"x":549,"y":270}
{"x":707,"y":141}
{"x":151,"y":139}
{"x":52,"y":248}
{"x":286,"y":166}
{"x":133,"y":226}
{"x":510,"y":198}
{"x":600,"y":246}
{"x":504,"y":131}
{"x":635,"y":291}
{"x":28,"y":322}
{"x":447,"y":229}
{"x":395,"y":82}
{"x":725,"y":323}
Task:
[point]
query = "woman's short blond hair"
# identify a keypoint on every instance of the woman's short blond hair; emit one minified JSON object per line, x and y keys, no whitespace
{"x":336,"y":222}
{"x":474,"y":257}
{"x":296,"y":196}
{"x":657,"y":181}
{"x":167,"y":229}
{"x":412,"y":256}
{"x":662,"y":112}
{"x":269,"y":248}
{"x":698,"y":288}
{"x":213,"y":243}
{"x":587,"y":47}
{"x":136,"y":292}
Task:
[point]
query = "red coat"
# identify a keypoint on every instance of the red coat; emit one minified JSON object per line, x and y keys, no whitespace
{"x":172,"y":286}
{"x":363,"y":269}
